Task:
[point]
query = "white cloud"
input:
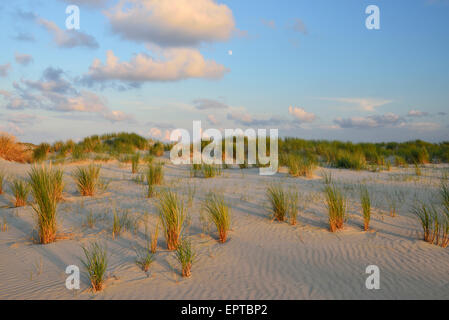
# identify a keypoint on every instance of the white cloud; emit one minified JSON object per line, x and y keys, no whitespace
{"x":366,"y":104}
{"x":301,"y":115}
{"x":176,"y":64}
{"x":374,"y":121}
{"x":172,"y":23}
{"x":68,"y":38}
{"x":417,"y":113}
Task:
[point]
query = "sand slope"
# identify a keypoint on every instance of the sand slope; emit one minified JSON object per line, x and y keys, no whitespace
{"x":261,"y":260}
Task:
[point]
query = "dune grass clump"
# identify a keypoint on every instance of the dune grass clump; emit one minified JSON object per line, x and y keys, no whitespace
{"x":299,"y":166}
{"x":210,"y":170}
{"x":121,"y":222}
{"x":96,"y":263}
{"x":366,"y":207}
{"x":46,"y":185}
{"x":11,"y":150}
{"x":154,"y":176}
{"x":417,"y":170}
{"x":278,"y":199}
{"x":435,"y":224}
{"x":293,"y":207}
{"x":144,"y":258}
{"x":88,"y":179}
{"x":20,"y":190}
{"x":2,"y":180}
{"x":135,"y":162}
{"x":185,"y":255}
{"x":172,"y":216}
{"x":41,"y":152}
{"x":336,"y":205}
{"x":219,"y":214}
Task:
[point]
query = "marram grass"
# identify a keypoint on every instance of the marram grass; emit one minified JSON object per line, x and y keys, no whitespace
{"x":96,"y":263}
{"x":87,"y":179}
{"x":185,"y":255}
{"x":20,"y":190}
{"x":366,"y":207}
{"x":278,"y":199}
{"x":172,"y":216}
{"x":219,"y":213}
{"x":46,"y":186}
{"x":336,"y":205}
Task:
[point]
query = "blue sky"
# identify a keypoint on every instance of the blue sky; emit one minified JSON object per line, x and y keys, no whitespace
{"x":308,"y":68}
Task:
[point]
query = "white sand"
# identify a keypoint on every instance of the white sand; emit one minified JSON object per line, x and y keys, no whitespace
{"x":261,"y":260}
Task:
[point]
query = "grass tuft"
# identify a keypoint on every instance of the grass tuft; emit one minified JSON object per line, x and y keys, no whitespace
{"x":336,"y":204}
{"x":20,"y":190}
{"x":88,"y":179}
{"x":185,"y":256}
{"x":135,"y":162}
{"x":46,"y":186}
{"x":96,"y":263}
{"x":2,"y":180}
{"x":366,"y":206}
{"x":219,"y":214}
{"x":278,"y":199}
{"x":172,"y":215}
{"x":144,"y":258}
{"x":154,"y":176}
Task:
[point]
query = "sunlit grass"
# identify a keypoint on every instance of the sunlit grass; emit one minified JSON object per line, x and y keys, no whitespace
{"x":219,"y":213}
{"x":172,"y":216}
{"x":336,"y":205}
{"x":96,"y":263}
{"x":185,"y":255}
{"x":20,"y":190}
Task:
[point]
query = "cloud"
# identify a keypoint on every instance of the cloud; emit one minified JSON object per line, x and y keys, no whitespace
{"x":366,"y":104}
{"x":269,"y":23}
{"x":245,"y":119}
{"x":23,"y":59}
{"x":211,"y":119}
{"x":301,"y":115}
{"x":68,"y":38}
{"x":299,"y":26}
{"x":89,"y":3}
{"x":4,"y":69}
{"x":423,"y":126}
{"x":23,"y":36}
{"x":176,"y":64}
{"x":172,"y":23}
{"x":417,"y":113}
{"x":374,"y":121}
{"x":204,"y":104}
{"x":54,"y":92}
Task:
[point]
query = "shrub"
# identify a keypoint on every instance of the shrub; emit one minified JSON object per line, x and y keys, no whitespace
{"x":20,"y":190}
{"x":11,"y":150}
{"x":172,"y":215}
{"x":46,"y":189}
{"x":278,"y":201}
{"x":185,"y":256}
{"x":87,"y":179}
{"x":219,"y":214}
{"x":366,"y":207}
{"x":336,"y":204}
{"x":96,"y":263}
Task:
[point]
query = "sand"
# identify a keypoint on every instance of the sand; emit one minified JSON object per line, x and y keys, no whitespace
{"x":263,"y":259}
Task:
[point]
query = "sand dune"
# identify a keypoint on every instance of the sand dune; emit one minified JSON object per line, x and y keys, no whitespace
{"x":262,"y":259}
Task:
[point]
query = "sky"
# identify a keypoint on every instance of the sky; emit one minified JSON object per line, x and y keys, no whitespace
{"x":311,"y":69}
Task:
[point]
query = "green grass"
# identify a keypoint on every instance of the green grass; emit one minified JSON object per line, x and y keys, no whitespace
{"x":87,"y":179}
{"x":210,"y":170}
{"x":278,"y":200}
{"x":154,"y":176}
{"x":300,"y":166}
{"x":219,"y":214}
{"x":336,"y":204}
{"x":41,"y":152}
{"x":172,"y":215}
{"x":144,"y":258}
{"x":293,"y":207}
{"x":46,"y":188}
{"x":2,"y":180}
{"x":96,"y":263}
{"x":435,"y":226}
{"x":121,"y":222}
{"x":366,"y":207}
{"x":135,"y":162}
{"x":185,"y":255}
{"x":20,"y":190}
